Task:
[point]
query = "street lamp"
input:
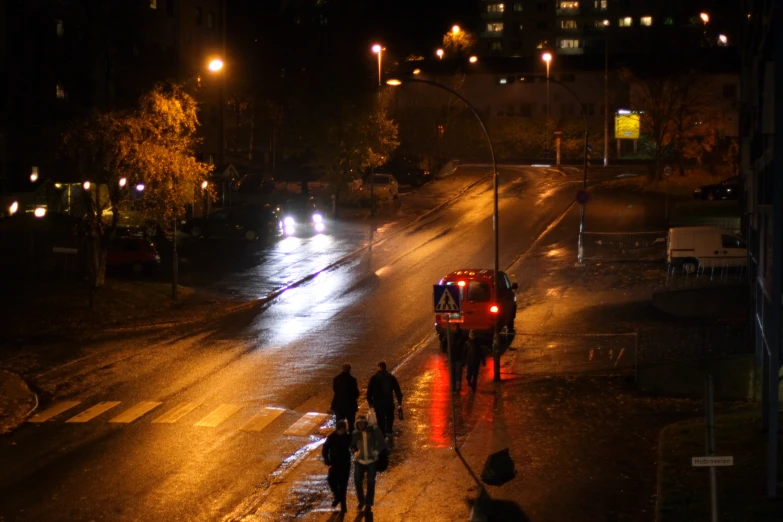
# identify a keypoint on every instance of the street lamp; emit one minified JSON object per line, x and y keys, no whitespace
{"x":723,"y":40}
{"x":705,"y":18}
{"x":204,"y":185}
{"x":455,"y":29}
{"x":473,"y":59}
{"x":547,"y":57}
{"x":39,"y":212}
{"x":378,"y":49}
{"x":123,"y":182}
{"x":395,"y":82}
{"x":216,"y":66}
{"x":140,"y":187}
{"x":439,"y":54}
{"x":12,"y":208}
{"x":86,"y":185}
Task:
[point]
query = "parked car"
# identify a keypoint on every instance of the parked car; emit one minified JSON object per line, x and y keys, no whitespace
{"x":301,"y":216}
{"x":407,"y":172}
{"x":729,"y":188}
{"x":691,"y":247}
{"x":481,"y":309}
{"x":132,"y":252}
{"x":385,"y":184}
{"x":249,"y":222}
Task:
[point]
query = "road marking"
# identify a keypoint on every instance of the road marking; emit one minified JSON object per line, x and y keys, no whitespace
{"x":220,"y":414}
{"x":306,"y":424}
{"x":262,"y":419}
{"x":91,"y":413}
{"x":53,"y":411}
{"x":133,"y":413}
{"x":175,"y":414}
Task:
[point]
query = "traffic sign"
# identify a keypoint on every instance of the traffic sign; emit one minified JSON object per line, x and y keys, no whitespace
{"x":445,"y":298}
{"x":558,"y":133}
{"x":708,"y":462}
{"x":667,"y":171}
{"x":582,"y":197}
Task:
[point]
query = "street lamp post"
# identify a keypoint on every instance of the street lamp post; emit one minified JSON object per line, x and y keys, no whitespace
{"x":547,"y":57}
{"x":439,"y":53}
{"x":377,"y":49}
{"x":495,"y":222}
{"x":216,"y":66}
{"x":606,"y":97}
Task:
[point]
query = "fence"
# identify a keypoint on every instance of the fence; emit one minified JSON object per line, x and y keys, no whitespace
{"x":625,"y":246}
{"x":570,"y":354}
{"x":712,"y":338}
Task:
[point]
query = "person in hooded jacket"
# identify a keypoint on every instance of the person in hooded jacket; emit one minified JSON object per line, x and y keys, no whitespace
{"x":381,"y":390}
{"x":346,"y":396}
{"x":337,"y":455}
{"x":367,"y":443}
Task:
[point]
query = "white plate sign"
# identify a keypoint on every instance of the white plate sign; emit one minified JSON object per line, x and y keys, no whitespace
{"x":707,"y":462}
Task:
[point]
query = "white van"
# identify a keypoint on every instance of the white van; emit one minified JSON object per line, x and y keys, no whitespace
{"x":692,"y":247}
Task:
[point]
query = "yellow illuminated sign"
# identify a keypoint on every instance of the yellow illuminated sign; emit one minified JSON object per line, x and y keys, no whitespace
{"x":626,"y":126}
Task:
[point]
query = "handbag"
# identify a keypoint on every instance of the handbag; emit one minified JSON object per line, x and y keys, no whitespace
{"x":382,"y":464}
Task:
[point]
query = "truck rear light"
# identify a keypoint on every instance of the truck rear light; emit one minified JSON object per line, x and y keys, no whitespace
{"x":493,"y":309}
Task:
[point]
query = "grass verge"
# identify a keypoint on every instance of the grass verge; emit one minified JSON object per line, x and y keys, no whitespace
{"x":683,"y":491}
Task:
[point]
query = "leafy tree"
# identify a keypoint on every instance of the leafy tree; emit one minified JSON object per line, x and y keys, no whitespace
{"x":153,"y":145}
{"x":459,"y":43}
{"x":679,"y":113}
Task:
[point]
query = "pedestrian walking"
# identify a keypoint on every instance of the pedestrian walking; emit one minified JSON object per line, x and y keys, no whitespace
{"x":337,"y":455}
{"x":346,"y":396}
{"x":381,"y":390}
{"x":367,"y":443}
{"x":474,"y":356}
{"x":457,"y":357}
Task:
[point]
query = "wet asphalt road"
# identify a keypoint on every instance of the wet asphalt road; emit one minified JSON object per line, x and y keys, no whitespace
{"x":214,"y":411}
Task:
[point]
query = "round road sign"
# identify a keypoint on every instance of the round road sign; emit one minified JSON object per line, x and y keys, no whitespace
{"x":667,"y":171}
{"x":582,"y":197}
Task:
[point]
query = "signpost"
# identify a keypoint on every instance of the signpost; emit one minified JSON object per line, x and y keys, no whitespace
{"x":446,"y":300}
{"x":558,"y":137}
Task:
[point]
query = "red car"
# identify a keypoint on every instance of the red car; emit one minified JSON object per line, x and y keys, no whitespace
{"x":134,"y":253}
{"x":480,"y":308}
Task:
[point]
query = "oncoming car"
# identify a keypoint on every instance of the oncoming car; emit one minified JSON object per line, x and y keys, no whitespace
{"x":301,"y":217}
{"x":481,"y":309}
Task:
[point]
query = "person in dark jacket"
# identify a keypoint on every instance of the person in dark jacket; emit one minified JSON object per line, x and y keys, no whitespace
{"x":337,"y":455}
{"x":346,"y":396}
{"x":474,"y":356}
{"x":457,"y":357}
{"x":381,"y":390}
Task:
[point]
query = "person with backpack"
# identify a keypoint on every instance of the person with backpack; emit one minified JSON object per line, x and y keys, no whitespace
{"x":337,"y":455}
{"x":368,"y":444}
{"x":474,"y":356}
{"x":381,"y":390}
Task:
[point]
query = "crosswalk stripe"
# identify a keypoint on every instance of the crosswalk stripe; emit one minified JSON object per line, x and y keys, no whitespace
{"x":220,"y":414}
{"x":262,"y":419}
{"x":91,"y":413}
{"x":53,"y":411}
{"x":133,"y":413}
{"x":306,"y":424}
{"x":176,"y":413}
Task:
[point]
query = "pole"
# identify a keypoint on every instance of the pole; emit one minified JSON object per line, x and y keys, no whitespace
{"x":580,"y":245}
{"x":451,"y":383}
{"x":709,"y":419}
{"x":606,"y":102}
{"x":174,"y":264}
{"x":380,"y":52}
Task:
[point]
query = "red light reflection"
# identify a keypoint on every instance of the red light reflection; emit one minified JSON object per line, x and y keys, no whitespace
{"x":440,"y":422}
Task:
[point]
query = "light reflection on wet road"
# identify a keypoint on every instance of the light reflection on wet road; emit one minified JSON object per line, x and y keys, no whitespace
{"x":374,"y":307}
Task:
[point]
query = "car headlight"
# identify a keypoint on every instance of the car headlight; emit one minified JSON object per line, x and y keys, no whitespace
{"x":317,"y":218}
{"x":289,"y":221}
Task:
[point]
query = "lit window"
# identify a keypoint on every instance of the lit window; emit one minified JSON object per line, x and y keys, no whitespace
{"x":569,"y":5}
{"x":646,"y":20}
{"x":569,"y":44}
{"x":495,"y":8}
{"x":600,"y":24}
{"x":60,"y":91}
{"x":153,"y":4}
{"x":518,"y":7}
{"x":60,"y":28}
{"x":210,"y":20}
{"x":599,"y":4}
{"x":502,"y":81}
{"x":495,"y":28}
{"x":567,"y":24}
{"x":668,"y":21}
{"x":625,"y":22}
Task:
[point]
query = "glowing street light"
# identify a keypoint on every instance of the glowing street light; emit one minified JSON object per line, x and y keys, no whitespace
{"x":86,"y":185}
{"x":439,"y":54}
{"x":547,"y":57}
{"x":215,"y":65}
{"x":204,"y":185}
{"x":455,"y":29}
{"x":416,"y":71}
{"x":12,"y":208}
{"x":705,"y":18}
{"x":39,"y":212}
{"x":378,"y":49}
{"x":123,"y":182}
{"x":33,"y":177}
{"x":723,"y":39}
{"x":140,"y":187}
{"x":473,"y":59}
